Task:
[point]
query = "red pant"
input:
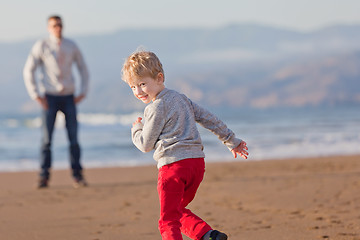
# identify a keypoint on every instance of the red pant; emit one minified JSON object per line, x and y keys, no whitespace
{"x":177,"y":186}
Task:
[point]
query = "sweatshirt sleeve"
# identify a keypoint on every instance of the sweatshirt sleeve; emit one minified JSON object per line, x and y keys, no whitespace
{"x":146,"y":135}
{"x":211,"y":122}
{"x":31,"y":64}
{"x":83,"y":70}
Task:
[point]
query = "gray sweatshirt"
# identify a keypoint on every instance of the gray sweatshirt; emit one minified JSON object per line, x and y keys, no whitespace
{"x":55,"y":62}
{"x":169,"y":127}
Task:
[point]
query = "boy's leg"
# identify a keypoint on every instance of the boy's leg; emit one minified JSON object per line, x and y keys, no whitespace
{"x":192,"y":225}
{"x":170,"y":190}
{"x":176,"y":188}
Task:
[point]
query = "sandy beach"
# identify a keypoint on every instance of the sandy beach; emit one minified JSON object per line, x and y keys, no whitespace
{"x":313,"y":198}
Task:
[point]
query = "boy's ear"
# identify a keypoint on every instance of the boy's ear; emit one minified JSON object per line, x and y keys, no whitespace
{"x":160,"y":77}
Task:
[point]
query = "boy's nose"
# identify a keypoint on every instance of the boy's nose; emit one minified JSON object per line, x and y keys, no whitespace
{"x":137,"y":90}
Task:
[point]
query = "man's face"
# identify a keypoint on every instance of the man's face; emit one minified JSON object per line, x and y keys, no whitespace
{"x":55,"y":27}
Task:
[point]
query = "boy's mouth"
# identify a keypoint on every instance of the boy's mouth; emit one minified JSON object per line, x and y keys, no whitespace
{"x":143,"y":98}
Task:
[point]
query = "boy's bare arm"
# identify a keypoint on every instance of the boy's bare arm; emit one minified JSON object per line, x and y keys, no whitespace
{"x":241,"y":150}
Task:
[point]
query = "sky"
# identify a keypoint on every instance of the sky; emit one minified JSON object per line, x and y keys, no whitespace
{"x":26,"y":19}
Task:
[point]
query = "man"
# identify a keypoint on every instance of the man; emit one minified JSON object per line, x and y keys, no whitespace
{"x":55,"y":92}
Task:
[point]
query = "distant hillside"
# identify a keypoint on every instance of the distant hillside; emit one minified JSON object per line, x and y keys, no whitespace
{"x":323,"y":81}
{"x":237,"y":65}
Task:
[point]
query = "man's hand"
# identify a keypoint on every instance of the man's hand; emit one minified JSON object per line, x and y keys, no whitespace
{"x":78,"y":99}
{"x":43,"y":102}
{"x":241,"y":150}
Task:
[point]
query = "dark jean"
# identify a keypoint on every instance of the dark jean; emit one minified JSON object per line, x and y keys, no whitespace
{"x":66,"y":105}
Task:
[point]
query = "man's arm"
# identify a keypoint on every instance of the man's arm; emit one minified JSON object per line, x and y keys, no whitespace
{"x":84,"y":75}
{"x":31,"y":64}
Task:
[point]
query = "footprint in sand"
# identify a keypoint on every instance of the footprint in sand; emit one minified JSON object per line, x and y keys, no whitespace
{"x":319,"y":219}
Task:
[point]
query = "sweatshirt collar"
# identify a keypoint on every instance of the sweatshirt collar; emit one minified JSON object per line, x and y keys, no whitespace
{"x":55,"y":39}
{"x":162,"y":93}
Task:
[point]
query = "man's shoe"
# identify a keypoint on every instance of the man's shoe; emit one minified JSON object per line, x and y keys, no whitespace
{"x":216,"y":235}
{"x":43,"y":183}
{"x":79,"y":182}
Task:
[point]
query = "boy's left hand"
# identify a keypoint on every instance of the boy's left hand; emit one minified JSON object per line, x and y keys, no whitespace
{"x":138,"y":120}
{"x":241,"y":150}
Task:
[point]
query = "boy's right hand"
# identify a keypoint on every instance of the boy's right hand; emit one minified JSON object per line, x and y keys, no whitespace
{"x":138,"y":120}
{"x":241,"y":150}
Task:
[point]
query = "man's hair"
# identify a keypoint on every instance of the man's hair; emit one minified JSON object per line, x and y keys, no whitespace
{"x":141,"y":64}
{"x":55,"y":17}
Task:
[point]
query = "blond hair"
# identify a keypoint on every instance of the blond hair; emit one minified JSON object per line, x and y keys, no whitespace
{"x":141,"y":64}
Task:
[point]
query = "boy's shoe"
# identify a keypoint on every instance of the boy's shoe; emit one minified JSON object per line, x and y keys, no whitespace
{"x":43,"y":182}
{"x":216,"y":235}
{"x":79,"y":182}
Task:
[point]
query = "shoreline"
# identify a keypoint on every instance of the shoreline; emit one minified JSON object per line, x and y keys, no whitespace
{"x":307,"y":198}
{"x":208,"y":160}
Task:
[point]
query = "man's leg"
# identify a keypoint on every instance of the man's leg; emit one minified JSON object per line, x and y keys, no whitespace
{"x":48,"y":122}
{"x":70,"y":112}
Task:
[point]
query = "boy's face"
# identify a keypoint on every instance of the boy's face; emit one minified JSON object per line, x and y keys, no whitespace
{"x":147,"y":88}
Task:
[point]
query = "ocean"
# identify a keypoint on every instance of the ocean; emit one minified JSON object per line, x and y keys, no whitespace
{"x":106,"y":142}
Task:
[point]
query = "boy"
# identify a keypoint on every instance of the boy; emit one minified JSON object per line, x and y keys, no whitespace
{"x":170,"y":128}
